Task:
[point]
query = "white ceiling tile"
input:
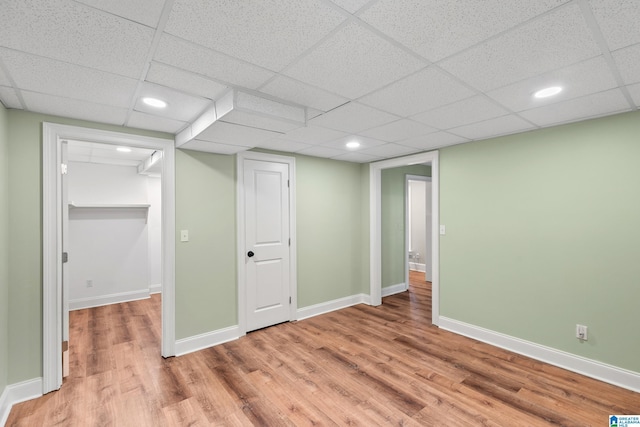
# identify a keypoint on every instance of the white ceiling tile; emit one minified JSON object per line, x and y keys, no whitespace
{"x":494,"y":127}
{"x":269,"y":33}
{"x":197,"y":59}
{"x":38,"y":74}
{"x":599,"y":104}
{"x":213,"y":147}
{"x":433,"y":140}
{"x":354,"y":62}
{"x":313,"y":135}
{"x":312,"y":112}
{"x":427,"y":89}
{"x":628,"y":62}
{"x":9,"y":98}
{"x":364,"y":142}
{"x":73,"y":108}
{"x":590,"y":76}
{"x":184,"y":81}
{"x":553,"y":41}
{"x":357,"y":158}
{"x":294,"y":91}
{"x":618,"y":20}
{"x":232,"y":134}
{"x":390,"y":150}
{"x":437,"y":29}
{"x":148,"y":121}
{"x":4,"y":80}
{"x":351,"y":6}
{"x":634,"y":90}
{"x":146,"y":12}
{"x":353,"y":118}
{"x":460,"y":113}
{"x":398,"y":130}
{"x":112,"y":161}
{"x":180,"y":106}
{"x":281,"y":144}
{"x":319,"y":151}
{"x":75,"y":33}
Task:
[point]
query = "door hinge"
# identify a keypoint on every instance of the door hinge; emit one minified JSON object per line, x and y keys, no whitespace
{"x":289,"y":300}
{"x":65,"y":257}
{"x":63,"y":168}
{"x":288,"y":184}
{"x":289,"y":241}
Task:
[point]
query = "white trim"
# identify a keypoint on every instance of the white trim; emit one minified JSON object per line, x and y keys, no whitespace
{"x":155,"y":289}
{"x":581,"y":365}
{"x":240,"y":214}
{"x":417,"y":267}
{"x":375,"y":209}
{"x":16,"y":393}
{"x":51,"y":245}
{"x":329,"y":306}
{"x":394,"y":289}
{"x":206,"y":340}
{"x":80,"y":303}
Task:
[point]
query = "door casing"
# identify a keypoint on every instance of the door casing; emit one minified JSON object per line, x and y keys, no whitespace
{"x":375,"y":225}
{"x":53,"y":135}
{"x":242,"y":250}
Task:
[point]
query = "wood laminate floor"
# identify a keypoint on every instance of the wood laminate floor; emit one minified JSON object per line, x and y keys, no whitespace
{"x":361,"y":366}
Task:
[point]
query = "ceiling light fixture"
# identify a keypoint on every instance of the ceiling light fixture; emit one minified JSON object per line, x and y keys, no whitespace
{"x":547,"y":92}
{"x":353,"y":144}
{"x":154,"y":102}
{"x":124,"y":149}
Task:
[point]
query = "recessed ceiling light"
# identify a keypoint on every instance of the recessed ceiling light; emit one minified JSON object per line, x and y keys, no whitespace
{"x":124,"y":149}
{"x":353,"y":144}
{"x":548,"y":91}
{"x":154,"y":102}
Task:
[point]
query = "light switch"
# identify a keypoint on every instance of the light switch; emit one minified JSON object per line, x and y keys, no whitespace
{"x":184,"y":235}
{"x":443,"y":230}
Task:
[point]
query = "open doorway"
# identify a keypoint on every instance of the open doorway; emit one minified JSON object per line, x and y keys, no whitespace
{"x":376,"y":229}
{"x":418,"y":221}
{"x":54,"y":137}
{"x":112,"y":200}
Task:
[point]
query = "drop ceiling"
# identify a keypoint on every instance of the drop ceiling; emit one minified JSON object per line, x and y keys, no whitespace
{"x":400,"y":76}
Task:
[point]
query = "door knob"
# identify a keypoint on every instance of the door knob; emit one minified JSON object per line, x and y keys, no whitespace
{"x":250,"y":254}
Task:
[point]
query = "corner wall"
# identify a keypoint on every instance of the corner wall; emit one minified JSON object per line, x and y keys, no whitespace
{"x":543,"y":233}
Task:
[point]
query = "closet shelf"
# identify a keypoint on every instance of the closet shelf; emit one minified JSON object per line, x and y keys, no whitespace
{"x":142,"y":206}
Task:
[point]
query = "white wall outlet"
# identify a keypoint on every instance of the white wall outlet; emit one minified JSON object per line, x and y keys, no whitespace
{"x":89,"y":283}
{"x":582,"y":332}
{"x":184,"y":235}
{"x":443,"y":230}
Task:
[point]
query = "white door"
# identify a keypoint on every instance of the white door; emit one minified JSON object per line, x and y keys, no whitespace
{"x":267,"y":243}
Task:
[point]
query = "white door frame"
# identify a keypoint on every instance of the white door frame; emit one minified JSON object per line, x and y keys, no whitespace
{"x":375,"y":225}
{"x":407,"y":222}
{"x":53,"y":134}
{"x":240,"y":209}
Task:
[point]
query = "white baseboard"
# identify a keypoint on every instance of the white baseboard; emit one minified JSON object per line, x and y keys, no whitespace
{"x":336,"y":304}
{"x":220,"y":336}
{"x":394,"y":289}
{"x":206,"y":340}
{"x":80,"y":303}
{"x":415,"y":266}
{"x":16,"y":393}
{"x":155,"y":289}
{"x":581,"y":365}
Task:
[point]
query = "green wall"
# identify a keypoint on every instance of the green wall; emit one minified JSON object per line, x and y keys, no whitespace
{"x":543,"y":232}
{"x":25,"y":237}
{"x":329,"y":230}
{"x":393,"y":221}
{"x":4,"y":249}
{"x":206,"y":291}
